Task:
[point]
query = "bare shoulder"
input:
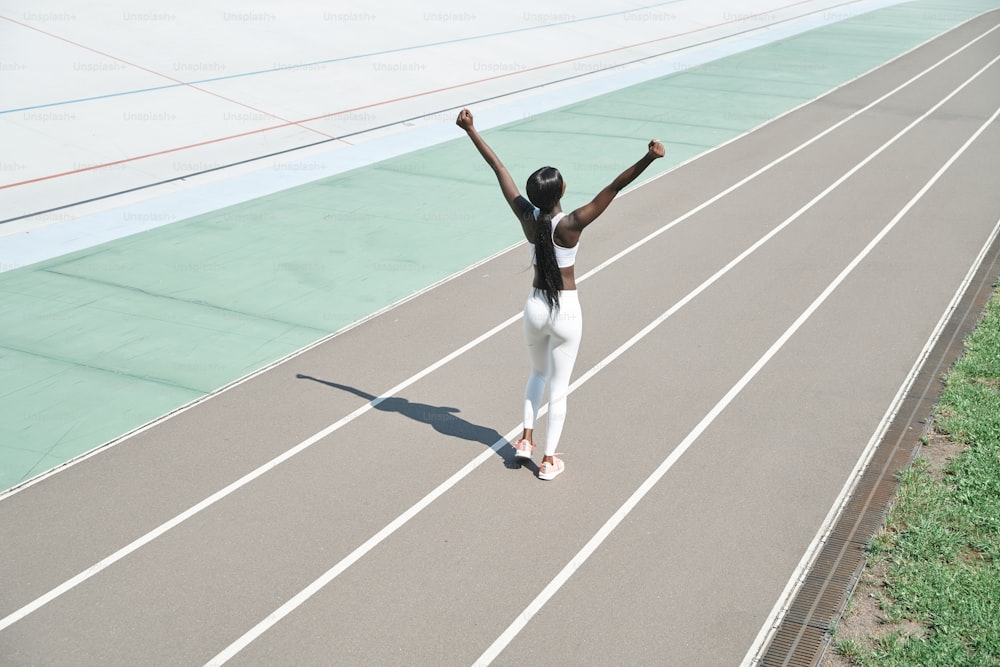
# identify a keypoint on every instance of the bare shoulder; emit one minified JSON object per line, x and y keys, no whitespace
{"x":525,"y":212}
{"x":567,"y":231}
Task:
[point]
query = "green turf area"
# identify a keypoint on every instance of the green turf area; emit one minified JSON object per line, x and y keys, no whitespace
{"x":941,"y":546}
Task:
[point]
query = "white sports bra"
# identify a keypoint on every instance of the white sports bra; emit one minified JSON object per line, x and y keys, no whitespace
{"x":564,"y":256}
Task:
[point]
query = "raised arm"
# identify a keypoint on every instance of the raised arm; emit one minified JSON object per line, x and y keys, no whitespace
{"x":522,"y":207}
{"x":587,"y":213}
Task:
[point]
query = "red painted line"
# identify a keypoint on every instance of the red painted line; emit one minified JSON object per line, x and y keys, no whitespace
{"x":376,"y":104}
{"x":140,"y":157}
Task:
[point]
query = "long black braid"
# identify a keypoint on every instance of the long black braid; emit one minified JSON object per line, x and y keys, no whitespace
{"x":545,"y":188}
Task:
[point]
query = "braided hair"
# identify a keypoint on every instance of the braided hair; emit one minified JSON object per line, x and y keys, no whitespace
{"x":545,"y":188}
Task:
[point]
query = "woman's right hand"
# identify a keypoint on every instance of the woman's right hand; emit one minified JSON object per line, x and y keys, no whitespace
{"x":656,"y":149}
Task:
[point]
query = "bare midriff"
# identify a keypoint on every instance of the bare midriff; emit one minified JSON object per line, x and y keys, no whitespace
{"x":568,"y":278}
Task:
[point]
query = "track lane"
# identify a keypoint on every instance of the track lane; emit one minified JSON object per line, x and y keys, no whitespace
{"x":512,"y":343}
{"x":291,"y":637}
{"x":700,"y":596}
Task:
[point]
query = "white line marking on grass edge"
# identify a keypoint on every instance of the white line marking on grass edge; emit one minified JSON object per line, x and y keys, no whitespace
{"x":770,"y":626}
{"x":288,"y":607}
{"x":86,"y":574}
{"x":588,"y":549}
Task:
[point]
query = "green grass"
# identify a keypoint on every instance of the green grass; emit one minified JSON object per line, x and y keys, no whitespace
{"x":941,"y":545}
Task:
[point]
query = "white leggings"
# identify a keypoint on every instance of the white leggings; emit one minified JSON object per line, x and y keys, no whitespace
{"x":553,"y":339}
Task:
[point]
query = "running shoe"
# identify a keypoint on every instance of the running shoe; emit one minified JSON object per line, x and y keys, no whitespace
{"x":549,"y":471}
{"x":523,"y":449}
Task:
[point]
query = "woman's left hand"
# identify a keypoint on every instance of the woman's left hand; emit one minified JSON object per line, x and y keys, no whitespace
{"x":464,"y":120}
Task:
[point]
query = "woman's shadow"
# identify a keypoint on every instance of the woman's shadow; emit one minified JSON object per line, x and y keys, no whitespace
{"x":441,"y":419}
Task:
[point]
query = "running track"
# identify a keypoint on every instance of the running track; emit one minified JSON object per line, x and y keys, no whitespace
{"x":751,"y":319}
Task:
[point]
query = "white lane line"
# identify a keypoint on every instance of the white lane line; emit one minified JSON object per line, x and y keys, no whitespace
{"x":241,"y":482}
{"x":4,"y":495}
{"x":296,"y":601}
{"x":331,"y":574}
{"x":787,"y":155}
{"x":770,"y":626}
{"x":588,"y":549}
{"x":86,"y":574}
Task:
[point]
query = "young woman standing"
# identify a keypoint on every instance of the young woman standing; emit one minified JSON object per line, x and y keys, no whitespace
{"x":553,"y":321}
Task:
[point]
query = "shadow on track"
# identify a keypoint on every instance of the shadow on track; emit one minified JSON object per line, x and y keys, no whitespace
{"x":442,"y":419}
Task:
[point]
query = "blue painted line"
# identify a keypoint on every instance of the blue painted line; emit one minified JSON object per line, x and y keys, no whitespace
{"x":332,"y":60}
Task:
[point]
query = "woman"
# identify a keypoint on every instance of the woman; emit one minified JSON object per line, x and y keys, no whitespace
{"x":553,"y":322}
